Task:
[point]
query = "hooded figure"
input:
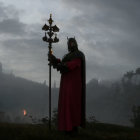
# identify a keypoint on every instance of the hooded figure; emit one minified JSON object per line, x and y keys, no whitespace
{"x":71,"y":104}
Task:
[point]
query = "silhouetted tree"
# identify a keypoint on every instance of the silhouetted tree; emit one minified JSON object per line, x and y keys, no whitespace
{"x":138,"y":71}
{"x":93,"y":119}
{"x":45,"y":120}
{"x":136,"y":116}
{"x":55,"y":117}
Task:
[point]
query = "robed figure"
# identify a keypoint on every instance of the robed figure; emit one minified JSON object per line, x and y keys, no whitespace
{"x":72,"y":93}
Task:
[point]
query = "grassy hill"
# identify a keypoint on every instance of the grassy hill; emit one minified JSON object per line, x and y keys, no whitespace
{"x":94,"y":131}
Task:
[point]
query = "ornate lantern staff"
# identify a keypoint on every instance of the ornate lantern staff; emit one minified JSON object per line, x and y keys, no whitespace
{"x":50,"y":30}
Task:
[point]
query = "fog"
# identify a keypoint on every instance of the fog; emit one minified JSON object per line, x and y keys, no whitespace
{"x":108,"y":101}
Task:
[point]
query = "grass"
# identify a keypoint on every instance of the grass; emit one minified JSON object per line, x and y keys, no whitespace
{"x":94,"y":131}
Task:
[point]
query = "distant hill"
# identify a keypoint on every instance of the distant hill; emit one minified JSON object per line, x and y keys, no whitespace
{"x":18,"y":93}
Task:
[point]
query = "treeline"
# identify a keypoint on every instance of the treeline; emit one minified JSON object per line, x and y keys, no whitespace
{"x":113,"y":101}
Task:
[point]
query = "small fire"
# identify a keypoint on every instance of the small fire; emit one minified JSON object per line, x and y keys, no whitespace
{"x":24,"y":112}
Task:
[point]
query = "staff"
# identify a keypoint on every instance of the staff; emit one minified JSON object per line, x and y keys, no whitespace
{"x":50,"y":31}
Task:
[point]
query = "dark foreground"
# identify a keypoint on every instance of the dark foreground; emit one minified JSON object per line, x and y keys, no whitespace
{"x":94,"y":131}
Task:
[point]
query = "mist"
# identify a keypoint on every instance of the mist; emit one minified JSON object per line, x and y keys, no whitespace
{"x":108,"y":101}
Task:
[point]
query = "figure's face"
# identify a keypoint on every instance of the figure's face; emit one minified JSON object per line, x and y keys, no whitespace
{"x":71,"y":46}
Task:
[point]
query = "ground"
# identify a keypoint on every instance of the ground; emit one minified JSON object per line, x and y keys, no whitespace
{"x":94,"y":131}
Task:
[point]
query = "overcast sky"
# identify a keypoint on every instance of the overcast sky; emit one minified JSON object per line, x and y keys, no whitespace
{"x":107,"y":31}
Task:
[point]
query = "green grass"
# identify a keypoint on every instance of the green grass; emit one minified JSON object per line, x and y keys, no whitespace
{"x":94,"y":131}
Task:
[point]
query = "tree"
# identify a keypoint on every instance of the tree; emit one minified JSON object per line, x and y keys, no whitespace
{"x":55,"y":117}
{"x":136,"y":116}
{"x":138,"y":71}
{"x":129,"y":75}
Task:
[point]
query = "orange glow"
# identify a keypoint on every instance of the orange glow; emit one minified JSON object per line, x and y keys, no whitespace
{"x":24,"y":112}
{"x":51,"y":52}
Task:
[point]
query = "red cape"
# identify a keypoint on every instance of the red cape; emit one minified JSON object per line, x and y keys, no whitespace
{"x":71,"y":106}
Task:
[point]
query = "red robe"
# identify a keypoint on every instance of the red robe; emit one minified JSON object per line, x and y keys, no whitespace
{"x":69,"y":106}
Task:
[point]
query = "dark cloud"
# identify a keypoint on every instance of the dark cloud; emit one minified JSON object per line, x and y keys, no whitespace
{"x":27,"y":57}
{"x":2,"y":11}
{"x":9,"y":21}
{"x":22,"y":50}
{"x":12,"y":26}
{"x":109,"y":33}
{"x":7,"y":12}
{"x":21,"y":47}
